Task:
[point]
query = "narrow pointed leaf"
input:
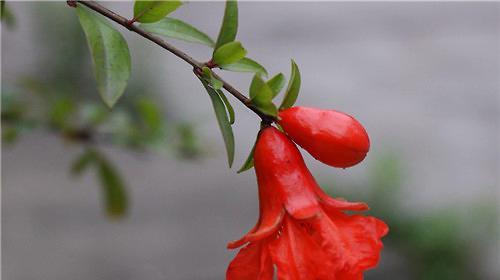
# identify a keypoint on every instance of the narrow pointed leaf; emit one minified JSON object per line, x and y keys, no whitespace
{"x":110,"y":55}
{"x":277,"y":83}
{"x":248,"y":162}
{"x":207,"y":74}
{"x":279,"y":127}
{"x":61,"y":111}
{"x":214,"y":83}
{"x":256,"y":85}
{"x":261,"y":96}
{"x":2,"y":9}
{"x":222,"y":120}
{"x":115,"y":196}
{"x":153,"y":11}
{"x":217,"y":85}
{"x":82,"y":162}
{"x":246,"y":65}
{"x":229,"y":26}
{"x":177,"y":29}
{"x":229,"y":53}
{"x":267,"y":108}
{"x":228,"y":105}
{"x":150,"y":114}
{"x":293,"y":88}
{"x":7,"y":17}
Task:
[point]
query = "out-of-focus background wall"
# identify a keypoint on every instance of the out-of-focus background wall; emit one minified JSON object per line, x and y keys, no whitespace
{"x":422,"y":77}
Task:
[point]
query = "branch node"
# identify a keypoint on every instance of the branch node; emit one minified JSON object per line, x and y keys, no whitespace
{"x":211,"y":64}
{"x":71,"y":3}
{"x":197,"y":71}
{"x":130,"y":23}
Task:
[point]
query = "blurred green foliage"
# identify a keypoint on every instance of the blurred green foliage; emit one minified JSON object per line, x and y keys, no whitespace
{"x":436,"y":244}
{"x":59,"y":95}
{"x":6,"y":15}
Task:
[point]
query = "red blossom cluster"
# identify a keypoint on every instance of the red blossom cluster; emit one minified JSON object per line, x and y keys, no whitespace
{"x":302,"y":233}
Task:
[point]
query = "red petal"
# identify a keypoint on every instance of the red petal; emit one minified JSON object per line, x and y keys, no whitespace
{"x":338,"y":204}
{"x":298,"y":199}
{"x":279,"y":165}
{"x":270,"y":217}
{"x":269,"y":224}
{"x":297,"y":256}
{"x":336,"y":247}
{"x":251,"y":263}
{"x":240,"y":242}
{"x":352,"y":240}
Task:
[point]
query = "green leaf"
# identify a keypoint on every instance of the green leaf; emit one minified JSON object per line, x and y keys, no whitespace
{"x":229,"y":26}
{"x":261,"y":96}
{"x":153,"y":11}
{"x":249,"y":161}
{"x":293,"y":88}
{"x":267,"y":107}
{"x":256,"y":86}
{"x":214,"y":83}
{"x":217,"y":85}
{"x":82,"y":162}
{"x":279,"y":127}
{"x":229,"y":53}
{"x":150,"y":114}
{"x":187,"y":145}
{"x":206,"y":72}
{"x":222,"y":120}
{"x":246,"y":65}
{"x":177,"y":29}
{"x":277,"y":83}
{"x":2,"y":8}
{"x":61,"y":111}
{"x":93,"y":113}
{"x":115,"y":196}
{"x":110,"y":55}
{"x":229,"y":108}
{"x":6,"y":15}
{"x":9,"y":134}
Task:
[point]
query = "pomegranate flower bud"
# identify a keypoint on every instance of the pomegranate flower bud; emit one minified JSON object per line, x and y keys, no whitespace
{"x":302,"y":231}
{"x":331,"y":137}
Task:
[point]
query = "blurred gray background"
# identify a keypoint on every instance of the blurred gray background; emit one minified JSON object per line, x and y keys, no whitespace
{"x":422,"y":77}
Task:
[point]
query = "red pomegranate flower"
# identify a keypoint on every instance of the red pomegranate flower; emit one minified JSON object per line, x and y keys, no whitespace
{"x":330,"y":136}
{"x":301,"y":231}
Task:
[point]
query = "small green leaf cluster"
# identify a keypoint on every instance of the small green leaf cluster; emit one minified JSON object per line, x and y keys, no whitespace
{"x":262,"y":94}
{"x":112,"y":62}
{"x":230,"y":55}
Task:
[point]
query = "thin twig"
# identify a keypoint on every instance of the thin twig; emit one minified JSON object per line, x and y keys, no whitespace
{"x":182,"y":55}
{"x":83,"y":135}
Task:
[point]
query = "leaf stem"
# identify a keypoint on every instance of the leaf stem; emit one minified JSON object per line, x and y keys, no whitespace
{"x":197,"y":65}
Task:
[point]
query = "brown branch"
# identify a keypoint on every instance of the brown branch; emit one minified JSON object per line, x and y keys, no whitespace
{"x":180,"y":54}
